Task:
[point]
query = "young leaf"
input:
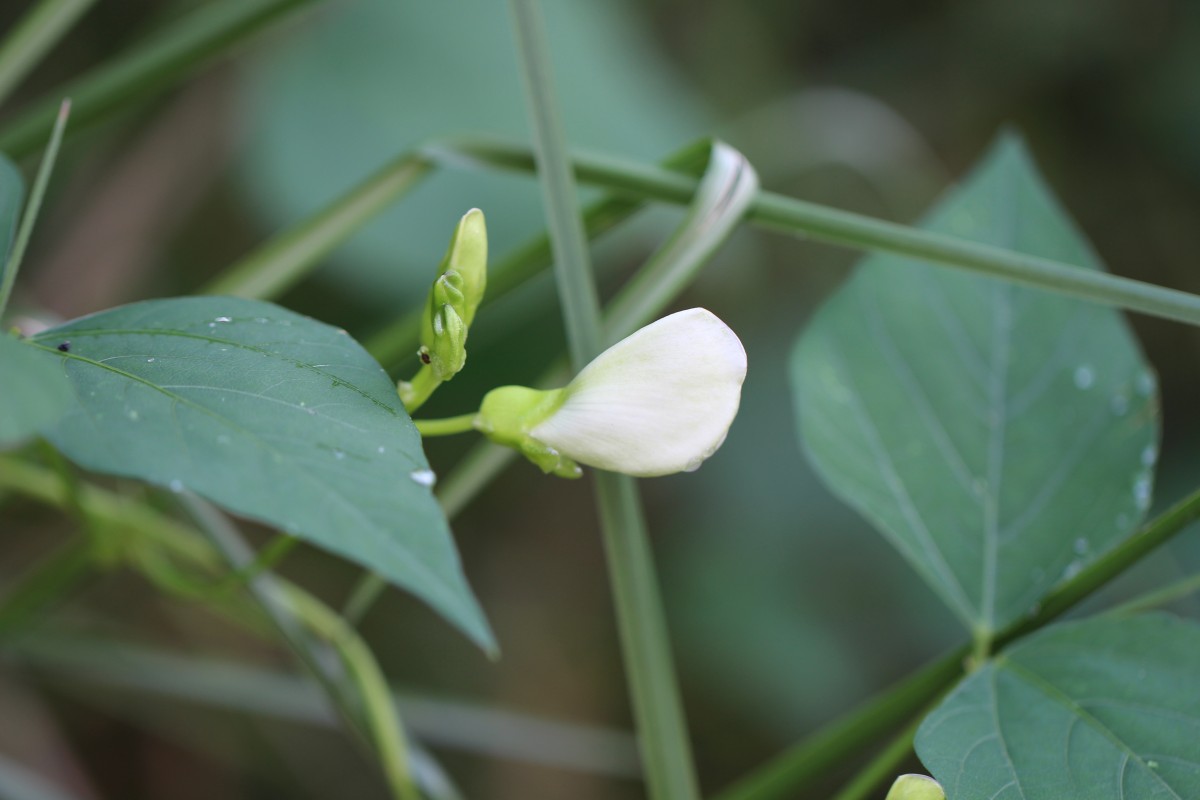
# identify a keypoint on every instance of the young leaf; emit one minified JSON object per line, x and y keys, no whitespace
{"x":1000,"y":436}
{"x":1105,"y":709}
{"x":272,"y":415}
{"x":33,"y":390}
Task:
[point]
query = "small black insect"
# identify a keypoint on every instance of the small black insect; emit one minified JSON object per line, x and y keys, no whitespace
{"x":65,"y":347}
{"x":425,"y":357}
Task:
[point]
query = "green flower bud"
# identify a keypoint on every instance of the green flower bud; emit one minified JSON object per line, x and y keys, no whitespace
{"x":916,"y":787}
{"x":454,"y":298}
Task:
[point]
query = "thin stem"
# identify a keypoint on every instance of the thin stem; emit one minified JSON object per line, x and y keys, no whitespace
{"x":150,"y":66}
{"x":1160,"y":597}
{"x":847,"y":229}
{"x":645,"y":643}
{"x":29,"y":217}
{"x":30,"y":39}
{"x":791,"y":773}
{"x":572,"y":267}
{"x":279,"y":264}
{"x":1100,"y":572}
{"x":464,"y":423}
{"x":645,"y":646}
{"x":399,"y":339}
{"x":882,"y":767}
{"x":414,"y":393}
{"x":370,"y":714}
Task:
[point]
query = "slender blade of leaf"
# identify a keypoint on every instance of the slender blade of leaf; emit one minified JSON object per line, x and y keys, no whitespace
{"x":1105,"y":709}
{"x":1001,"y":437}
{"x":272,"y":415}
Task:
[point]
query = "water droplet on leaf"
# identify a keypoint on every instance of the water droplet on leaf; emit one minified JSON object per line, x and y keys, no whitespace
{"x":424,"y":477}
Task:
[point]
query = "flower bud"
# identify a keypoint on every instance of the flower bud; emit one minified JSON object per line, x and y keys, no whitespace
{"x":916,"y":787}
{"x":454,"y":298}
{"x":658,"y":402}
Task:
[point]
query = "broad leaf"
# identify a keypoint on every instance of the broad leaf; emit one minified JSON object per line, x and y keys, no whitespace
{"x":272,"y":415}
{"x":33,"y":390}
{"x":1106,"y":709}
{"x":1000,"y":436}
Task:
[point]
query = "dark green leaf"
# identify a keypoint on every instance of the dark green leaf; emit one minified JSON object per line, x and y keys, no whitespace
{"x":1106,"y":709}
{"x":33,"y":390}
{"x":1000,"y":436}
{"x":272,"y":415}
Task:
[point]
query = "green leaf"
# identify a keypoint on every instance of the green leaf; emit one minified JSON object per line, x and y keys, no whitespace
{"x":1105,"y":709}
{"x":1001,"y":437}
{"x":33,"y":390}
{"x":272,"y":415}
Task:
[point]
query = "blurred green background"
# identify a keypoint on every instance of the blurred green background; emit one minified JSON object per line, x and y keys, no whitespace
{"x":785,"y":608}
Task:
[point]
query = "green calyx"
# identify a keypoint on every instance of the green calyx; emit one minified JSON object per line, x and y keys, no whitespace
{"x":916,"y":787}
{"x":509,"y":413}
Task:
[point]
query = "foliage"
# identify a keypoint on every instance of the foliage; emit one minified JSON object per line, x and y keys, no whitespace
{"x":972,"y":389}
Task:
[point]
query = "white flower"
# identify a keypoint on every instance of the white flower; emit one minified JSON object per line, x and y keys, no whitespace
{"x":658,"y":402}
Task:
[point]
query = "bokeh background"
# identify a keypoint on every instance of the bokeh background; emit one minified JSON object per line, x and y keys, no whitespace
{"x":785,"y":607}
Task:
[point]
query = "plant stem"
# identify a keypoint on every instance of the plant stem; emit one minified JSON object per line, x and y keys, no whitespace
{"x":414,"y":393}
{"x":882,"y":766}
{"x":1159,"y":597}
{"x":30,"y":39}
{"x":572,"y":267}
{"x":279,"y":264}
{"x":791,"y":773}
{"x":1154,"y":534}
{"x":371,"y":714}
{"x":657,"y":707}
{"x":464,"y":423}
{"x":847,"y":229}
{"x":34,"y":204}
{"x":149,"y":66}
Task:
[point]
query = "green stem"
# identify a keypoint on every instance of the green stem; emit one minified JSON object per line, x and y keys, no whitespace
{"x":791,"y":773}
{"x":414,"y":393}
{"x":1159,"y":597}
{"x":148,"y":67}
{"x":464,"y":423}
{"x":645,"y":643}
{"x":29,"y":216}
{"x":368,"y":711}
{"x":645,"y":646}
{"x":399,"y":339}
{"x":1100,"y":572}
{"x":38,"y":31}
{"x":279,"y":264}
{"x":883,"y":766}
{"x":572,"y":267}
{"x":847,"y":229}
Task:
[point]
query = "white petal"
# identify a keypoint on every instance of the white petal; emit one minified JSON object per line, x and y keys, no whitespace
{"x":655,"y":403}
